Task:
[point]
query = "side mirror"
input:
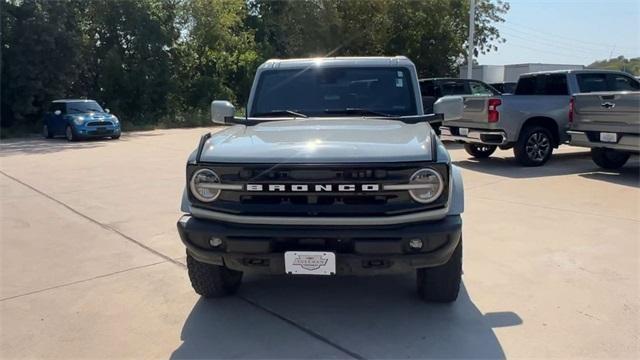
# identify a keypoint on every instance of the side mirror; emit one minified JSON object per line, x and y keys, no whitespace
{"x":451,"y":107}
{"x":222,"y":111}
{"x":107,"y":111}
{"x":57,"y":112}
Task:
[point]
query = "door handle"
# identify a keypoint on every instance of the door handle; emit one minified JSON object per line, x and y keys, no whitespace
{"x":608,"y":105}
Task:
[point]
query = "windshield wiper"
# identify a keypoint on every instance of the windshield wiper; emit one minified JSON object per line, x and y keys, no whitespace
{"x":357,"y":111}
{"x":280,"y":112}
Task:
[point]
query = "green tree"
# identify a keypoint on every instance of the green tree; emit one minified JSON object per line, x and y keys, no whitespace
{"x":132,"y":56}
{"x":41,"y":56}
{"x":296,"y":28}
{"x":432,"y":33}
{"x":216,"y":53}
{"x":151,"y":60}
{"x":631,"y":66}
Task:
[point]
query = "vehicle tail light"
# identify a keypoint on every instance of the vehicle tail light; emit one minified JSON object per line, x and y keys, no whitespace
{"x":493,"y":115}
{"x":572,"y":105}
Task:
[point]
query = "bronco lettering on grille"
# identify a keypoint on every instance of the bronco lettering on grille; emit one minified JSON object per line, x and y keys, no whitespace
{"x":313,"y":187}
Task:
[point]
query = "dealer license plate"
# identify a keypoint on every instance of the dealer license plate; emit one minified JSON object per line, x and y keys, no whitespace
{"x":310,"y":263}
{"x":608,"y":137}
{"x":463,"y":131}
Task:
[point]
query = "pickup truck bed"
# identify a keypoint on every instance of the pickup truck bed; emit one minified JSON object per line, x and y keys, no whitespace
{"x":605,"y":113}
{"x":609,"y":124}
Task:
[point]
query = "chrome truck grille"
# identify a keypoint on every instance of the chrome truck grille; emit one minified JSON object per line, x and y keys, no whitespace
{"x":317,"y":190}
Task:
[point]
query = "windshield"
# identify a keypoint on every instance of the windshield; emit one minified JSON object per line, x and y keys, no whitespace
{"x":326,"y":91}
{"x":83,"y":107}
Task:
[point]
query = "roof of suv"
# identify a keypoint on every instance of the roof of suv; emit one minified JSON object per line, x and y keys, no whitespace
{"x":72,"y":100}
{"x":575,"y":71}
{"x":337,"y":61}
{"x":447,"y":78}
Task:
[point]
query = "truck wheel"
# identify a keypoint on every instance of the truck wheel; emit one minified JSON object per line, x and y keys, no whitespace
{"x":480,"y":151}
{"x":212,"y":281}
{"x":609,"y":158}
{"x":441,"y":283}
{"x":534,"y":147}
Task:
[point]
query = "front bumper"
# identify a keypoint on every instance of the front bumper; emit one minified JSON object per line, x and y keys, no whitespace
{"x":590,"y":139}
{"x":359,"y":250}
{"x":475,"y":136}
{"x":102,"y":131}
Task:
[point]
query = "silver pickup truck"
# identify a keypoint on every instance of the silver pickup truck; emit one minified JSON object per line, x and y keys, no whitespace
{"x":608,"y":123}
{"x":334,"y":170}
{"x":533,"y":120}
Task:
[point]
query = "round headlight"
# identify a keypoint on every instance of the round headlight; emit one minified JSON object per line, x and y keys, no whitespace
{"x":79,"y":120}
{"x":429,"y":185}
{"x":203,"y":185}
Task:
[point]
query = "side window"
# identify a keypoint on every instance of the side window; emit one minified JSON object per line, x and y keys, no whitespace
{"x":623,"y":83}
{"x":478,"y":88}
{"x":56,"y":106}
{"x":427,"y":88}
{"x":454,"y":88}
{"x":555,"y":84}
{"x":526,"y":86}
{"x":592,"y":82}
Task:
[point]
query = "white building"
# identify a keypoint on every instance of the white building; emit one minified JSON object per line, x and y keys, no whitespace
{"x":510,"y":73}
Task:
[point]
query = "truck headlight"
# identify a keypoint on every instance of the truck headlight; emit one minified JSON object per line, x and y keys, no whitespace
{"x":204,"y":185}
{"x":428,"y":185}
{"x":78,"y":120}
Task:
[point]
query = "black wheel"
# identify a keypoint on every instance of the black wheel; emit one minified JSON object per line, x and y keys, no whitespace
{"x":116,"y":137}
{"x":212,"y":280}
{"x":534,"y":147}
{"x":441,"y":283}
{"x":609,"y":158}
{"x":480,"y":151}
{"x":46,"y":132}
{"x":69,"y":134}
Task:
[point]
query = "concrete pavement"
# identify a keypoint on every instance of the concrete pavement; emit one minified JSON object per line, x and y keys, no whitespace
{"x":92,"y":267}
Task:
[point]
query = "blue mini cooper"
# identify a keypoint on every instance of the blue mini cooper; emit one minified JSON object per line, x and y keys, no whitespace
{"x":79,"y":119}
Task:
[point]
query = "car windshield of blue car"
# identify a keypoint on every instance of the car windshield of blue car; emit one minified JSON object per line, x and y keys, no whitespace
{"x":334,"y":91}
{"x":82,"y":107}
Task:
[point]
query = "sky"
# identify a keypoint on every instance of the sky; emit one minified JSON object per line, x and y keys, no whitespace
{"x":567,"y":32}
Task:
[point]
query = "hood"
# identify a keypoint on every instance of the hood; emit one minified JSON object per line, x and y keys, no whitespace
{"x":94,"y":115}
{"x":324,"y":140}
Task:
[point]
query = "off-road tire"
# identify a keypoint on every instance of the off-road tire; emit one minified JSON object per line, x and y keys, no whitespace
{"x":441,"y":283}
{"x":46,"y":132}
{"x":609,"y":158}
{"x":480,"y":151}
{"x":524,"y":147}
{"x":212,"y":281}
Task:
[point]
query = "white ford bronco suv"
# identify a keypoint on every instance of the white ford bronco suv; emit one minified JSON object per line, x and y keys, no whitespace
{"x":333,"y":171}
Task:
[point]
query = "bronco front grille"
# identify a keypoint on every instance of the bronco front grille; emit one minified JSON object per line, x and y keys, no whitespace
{"x":379,"y":203}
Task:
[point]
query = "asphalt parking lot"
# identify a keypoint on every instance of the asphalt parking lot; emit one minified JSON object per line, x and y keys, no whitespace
{"x":92,"y":266}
